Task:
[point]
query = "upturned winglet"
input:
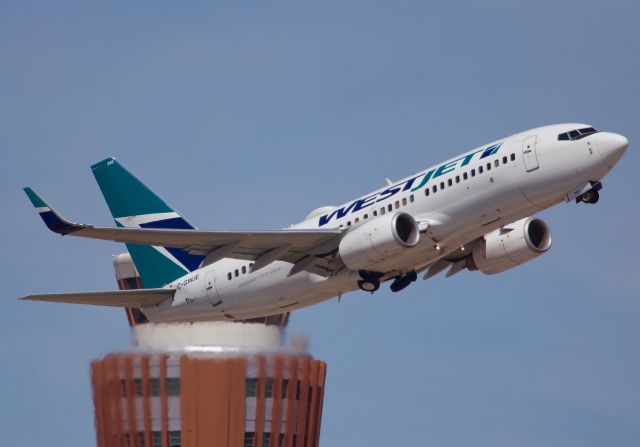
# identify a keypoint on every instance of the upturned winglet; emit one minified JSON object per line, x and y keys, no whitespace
{"x":54,"y":221}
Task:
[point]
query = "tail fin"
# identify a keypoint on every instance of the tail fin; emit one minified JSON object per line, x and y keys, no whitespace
{"x":134,"y":205}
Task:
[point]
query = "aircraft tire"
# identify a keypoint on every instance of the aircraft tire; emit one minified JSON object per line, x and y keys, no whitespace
{"x":591,"y":197}
{"x":368,"y":286}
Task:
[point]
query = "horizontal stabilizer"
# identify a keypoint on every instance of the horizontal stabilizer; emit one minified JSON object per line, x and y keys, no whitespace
{"x":140,"y":298}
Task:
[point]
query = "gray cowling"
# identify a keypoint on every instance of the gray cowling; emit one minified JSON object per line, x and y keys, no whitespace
{"x":378,"y":241}
{"x":509,"y":246}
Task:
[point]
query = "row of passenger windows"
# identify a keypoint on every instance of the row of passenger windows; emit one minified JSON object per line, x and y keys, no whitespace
{"x":397,"y":204}
{"x":471,"y":173}
{"x":241,"y":271}
{"x":465,"y":176}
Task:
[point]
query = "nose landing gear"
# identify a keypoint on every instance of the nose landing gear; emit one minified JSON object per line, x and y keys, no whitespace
{"x":591,"y":196}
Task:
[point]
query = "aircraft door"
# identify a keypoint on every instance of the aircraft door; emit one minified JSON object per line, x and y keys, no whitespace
{"x":212,"y":291}
{"x":529,"y":154}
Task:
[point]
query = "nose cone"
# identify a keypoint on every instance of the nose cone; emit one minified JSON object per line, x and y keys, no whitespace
{"x":612,"y":146}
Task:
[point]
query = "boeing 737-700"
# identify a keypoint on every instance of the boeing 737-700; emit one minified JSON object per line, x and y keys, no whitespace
{"x":470,"y":212}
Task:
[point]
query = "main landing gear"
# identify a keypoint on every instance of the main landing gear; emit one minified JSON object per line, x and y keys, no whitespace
{"x":370,"y":281}
{"x":592,"y":196}
{"x":402,"y":281}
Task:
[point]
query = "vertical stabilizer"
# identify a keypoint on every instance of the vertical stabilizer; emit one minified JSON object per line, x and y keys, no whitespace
{"x":134,"y":205}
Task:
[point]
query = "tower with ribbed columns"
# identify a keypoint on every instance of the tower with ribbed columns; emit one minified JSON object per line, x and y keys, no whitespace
{"x":206,"y":384}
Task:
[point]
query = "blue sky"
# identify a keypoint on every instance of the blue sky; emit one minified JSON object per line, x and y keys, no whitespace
{"x":247,"y":115}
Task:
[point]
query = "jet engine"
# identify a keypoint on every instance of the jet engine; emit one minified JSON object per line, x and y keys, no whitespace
{"x":509,"y":246}
{"x":375,"y":242}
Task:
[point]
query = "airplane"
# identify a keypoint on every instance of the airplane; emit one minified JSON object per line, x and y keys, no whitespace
{"x":471,"y":212}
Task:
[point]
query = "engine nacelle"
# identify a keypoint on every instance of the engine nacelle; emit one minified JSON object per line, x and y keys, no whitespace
{"x":511,"y":245}
{"x":378,"y":240}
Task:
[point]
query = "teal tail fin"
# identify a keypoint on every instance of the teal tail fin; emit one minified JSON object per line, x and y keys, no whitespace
{"x":134,"y":205}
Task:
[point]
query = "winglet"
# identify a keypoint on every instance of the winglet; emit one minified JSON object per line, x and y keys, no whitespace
{"x":51,"y":218}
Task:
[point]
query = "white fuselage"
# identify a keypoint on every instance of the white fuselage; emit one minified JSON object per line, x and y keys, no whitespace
{"x":475,"y":193}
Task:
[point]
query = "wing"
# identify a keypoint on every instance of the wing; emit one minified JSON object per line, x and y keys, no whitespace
{"x":140,"y":298}
{"x":308,"y":250}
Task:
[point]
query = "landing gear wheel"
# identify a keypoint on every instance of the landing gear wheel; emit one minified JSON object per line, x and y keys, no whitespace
{"x":369,"y":286}
{"x":403,"y":281}
{"x":591,"y":196}
{"x":370,"y":281}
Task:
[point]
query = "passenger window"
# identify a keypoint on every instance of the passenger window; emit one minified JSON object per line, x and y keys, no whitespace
{"x":464,"y":176}
{"x":382,"y":211}
{"x":366,"y":216}
{"x":250,"y":266}
{"x":473,"y":173}
{"x":435,"y":188}
{"x":404,"y":201}
{"x":480,"y":170}
{"x":488,"y":166}
{"x":457,"y":179}
{"x":375,"y":213}
{"x":496,"y":163}
{"x":441,"y":185}
{"x":356,"y":220}
{"x":449,"y":182}
{"x":513,"y":157}
{"x":411,"y":198}
{"x":389,"y":207}
{"x":244,"y":269}
{"x":348,"y":223}
{"x":229,"y":276}
{"x":504,"y":160}
{"x":397,"y":204}
{"x":426,"y":191}
{"x":237,"y":273}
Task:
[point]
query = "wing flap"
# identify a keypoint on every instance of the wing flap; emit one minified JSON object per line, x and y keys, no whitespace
{"x":140,"y":298}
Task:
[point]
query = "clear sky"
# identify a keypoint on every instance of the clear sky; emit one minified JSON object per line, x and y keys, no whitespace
{"x":248,"y":115}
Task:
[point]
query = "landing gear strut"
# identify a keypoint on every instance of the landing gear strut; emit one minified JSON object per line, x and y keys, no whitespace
{"x":592,"y":196}
{"x":370,"y":281}
{"x":403,"y":281}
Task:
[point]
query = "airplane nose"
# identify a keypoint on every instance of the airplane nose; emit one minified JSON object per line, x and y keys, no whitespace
{"x":612,"y":146}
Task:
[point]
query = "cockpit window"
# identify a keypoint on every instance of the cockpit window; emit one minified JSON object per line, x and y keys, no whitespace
{"x":576,"y":134}
{"x":587,"y":131}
